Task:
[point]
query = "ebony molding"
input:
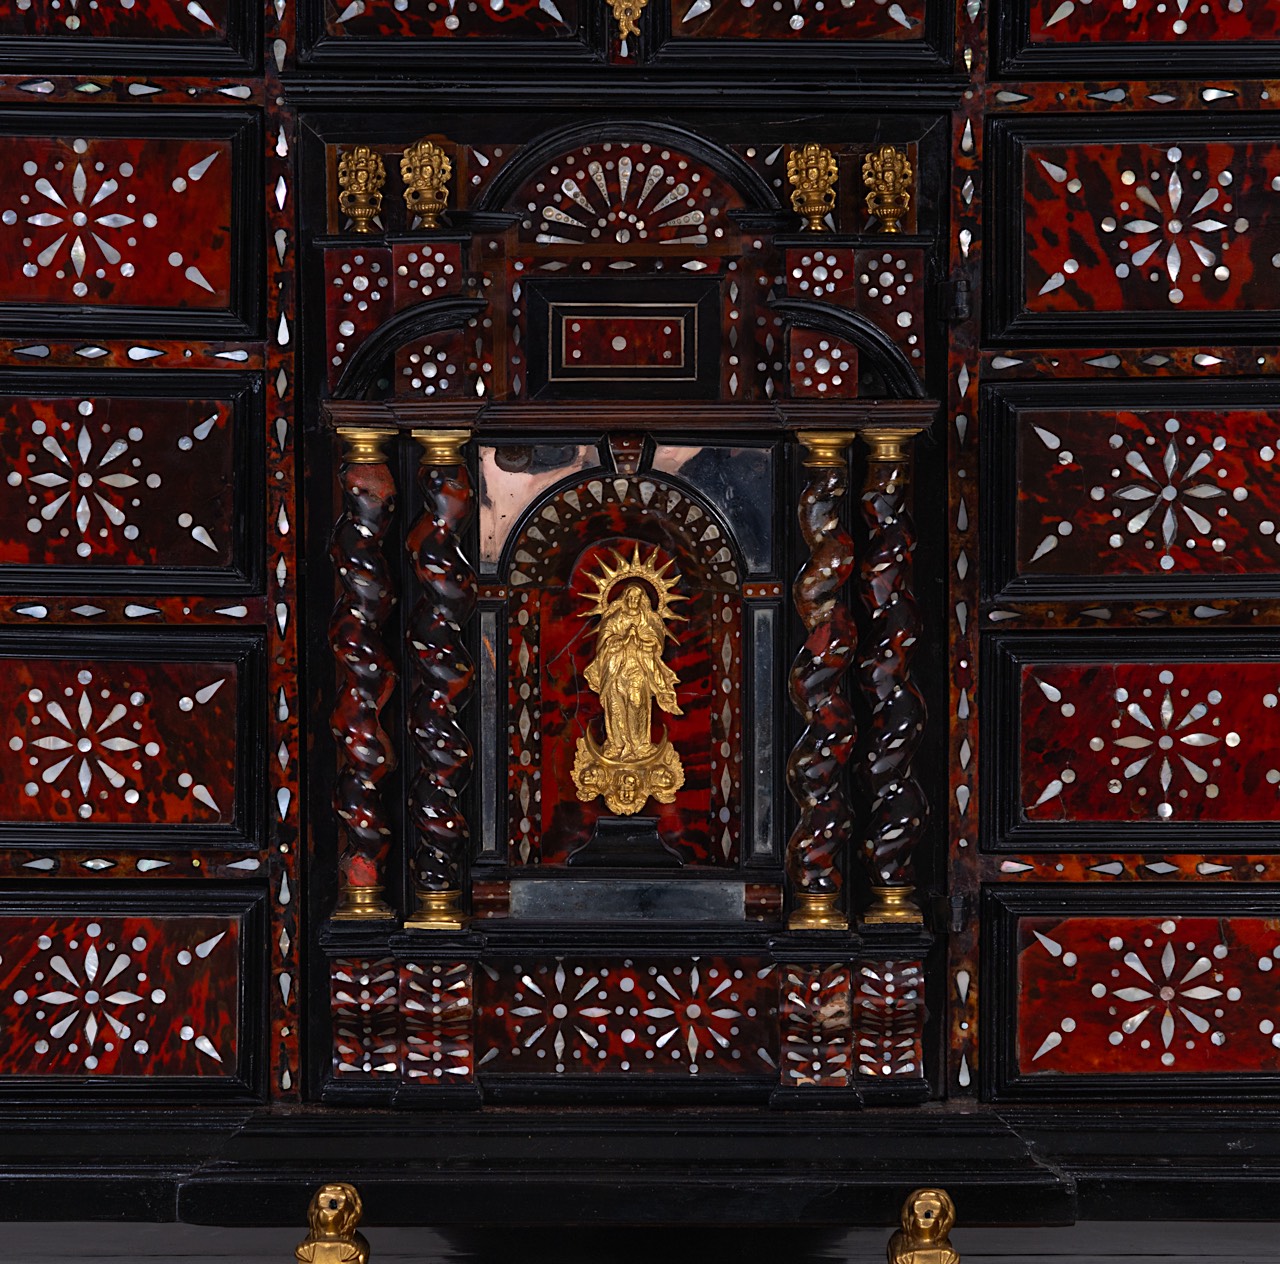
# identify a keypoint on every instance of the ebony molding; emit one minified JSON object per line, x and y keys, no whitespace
{"x":588,"y":45}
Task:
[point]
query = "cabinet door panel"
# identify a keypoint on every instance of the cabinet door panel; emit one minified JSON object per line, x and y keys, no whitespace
{"x":131,"y":35}
{"x":143,"y":223}
{"x":1100,"y":491}
{"x":1133,"y":744}
{"x":1134,"y":229}
{"x":111,"y":490}
{"x":112,"y":743}
{"x":104,"y":992}
{"x":1077,"y":39}
{"x":1121,"y":994}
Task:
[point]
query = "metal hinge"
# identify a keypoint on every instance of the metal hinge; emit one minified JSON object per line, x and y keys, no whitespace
{"x":955,"y":300}
{"x":952,"y":913}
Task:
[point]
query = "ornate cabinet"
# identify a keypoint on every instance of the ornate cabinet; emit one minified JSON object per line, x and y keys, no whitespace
{"x":639,"y":611}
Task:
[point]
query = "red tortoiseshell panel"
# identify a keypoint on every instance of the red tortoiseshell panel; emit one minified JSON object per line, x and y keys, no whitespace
{"x":438,"y":1014}
{"x":364,"y":1002}
{"x":117,"y":19}
{"x":149,"y":997}
{"x":885,"y":285}
{"x":1147,"y":227}
{"x":623,"y":341}
{"x":891,"y":295}
{"x":826,"y":274}
{"x":1147,"y":995}
{"x":111,"y":742}
{"x":102,"y":482}
{"x":888,"y":1019}
{"x":436,"y":366}
{"x":1175,"y":22}
{"x":426,"y":270}
{"x":452,"y":19}
{"x":1150,"y":741}
{"x":1166,"y":491}
{"x":134,"y":221}
{"x":798,"y":20}
{"x":703,"y":1017}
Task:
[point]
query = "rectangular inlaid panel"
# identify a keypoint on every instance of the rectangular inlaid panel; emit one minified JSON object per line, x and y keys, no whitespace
{"x":798,"y":20}
{"x":140,"y":747}
{"x":1153,"y":994}
{"x":204,"y":21}
{"x":1158,"y":499}
{"x":1162,"y":221}
{"x":663,"y":341}
{"x":1190,"y":36}
{"x":120,"y":990}
{"x":133,"y":35}
{"x":817,"y":1027}
{"x":451,"y":21}
{"x":691,"y":1017}
{"x":1137,"y":743}
{"x":620,"y":340}
{"x":364,"y":1004}
{"x":1175,"y":23}
{"x":133,"y":224}
{"x":119,"y":996}
{"x":102,"y":487}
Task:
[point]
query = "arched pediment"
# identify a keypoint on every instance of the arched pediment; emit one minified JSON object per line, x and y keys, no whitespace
{"x":619,"y":184}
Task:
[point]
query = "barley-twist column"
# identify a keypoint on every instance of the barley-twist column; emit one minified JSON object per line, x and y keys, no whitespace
{"x":899,"y":809}
{"x":442,"y":674}
{"x":366,"y":672}
{"x":815,"y":771}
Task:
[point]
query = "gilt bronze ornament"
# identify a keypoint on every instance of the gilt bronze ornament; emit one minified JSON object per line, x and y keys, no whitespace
{"x":927,"y":1217}
{"x":361,"y":176}
{"x":629,"y":676}
{"x":813,"y":173}
{"x":425,"y":170}
{"x":887,"y":175}
{"x":627,"y":14}
{"x":334,"y":1214}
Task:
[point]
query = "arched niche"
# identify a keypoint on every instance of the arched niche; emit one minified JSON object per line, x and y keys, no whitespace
{"x":573,"y":533}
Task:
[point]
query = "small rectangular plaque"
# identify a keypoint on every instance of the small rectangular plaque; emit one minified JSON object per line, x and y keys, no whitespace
{"x":547,"y":899}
